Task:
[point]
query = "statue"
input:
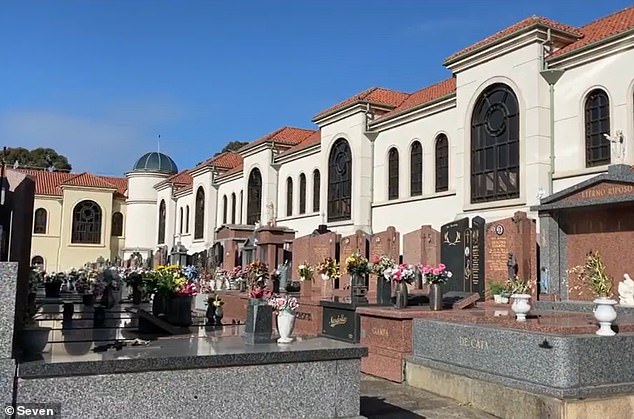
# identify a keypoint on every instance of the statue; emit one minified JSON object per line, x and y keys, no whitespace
{"x":511,"y":263}
{"x":270,"y":214}
{"x":617,"y":146}
{"x":283,"y":269}
{"x":626,"y":291}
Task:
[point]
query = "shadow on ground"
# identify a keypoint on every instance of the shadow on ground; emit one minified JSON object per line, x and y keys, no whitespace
{"x":375,"y":407}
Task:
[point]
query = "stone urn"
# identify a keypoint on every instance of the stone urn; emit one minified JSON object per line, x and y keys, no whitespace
{"x":521,"y":306}
{"x":285,"y":325}
{"x":605,"y":314}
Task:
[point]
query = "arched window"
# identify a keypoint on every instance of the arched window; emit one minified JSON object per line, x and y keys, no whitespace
{"x":289,"y":197}
{"x":392,"y":174}
{"x":340,"y":181}
{"x":180,"y":222}
{"x":37,"y":262}
{"x":254,"y":197}
{"x":495,"y":153}
{"x":442,"y":163}
{"x":416,"y":169}
{"x":199,"y":214}
{"x":86,"y":223}
{"x":302,"y":194}
{"x":597,"y":121}
{"x":117,"y":224}
{"x":233,"y":208}
{"x":241,"y":206}
{"x":161,"y":226}
{"x":39,"y":223}
{"x":316,"y":190}
{"x":187,"y":219}
{"x":224,"y":209}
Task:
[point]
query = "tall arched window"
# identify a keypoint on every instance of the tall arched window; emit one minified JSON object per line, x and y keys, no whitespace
{"x":39,"y":223}
{"x":199,"y":214}
{"x":316,"y":190}
{"x":37,"y":262}
{"x":416,"y":169}
{"x":161,"y":226}
{"x":241,"y":206}
{"x":302,"y":194}
{"x":86,"y":223}
{"x":187,"y":219}
{"x":289,"y":197}
{"x":495,"y":153}
{"x":392,"y":174}
{"x":597,"y":121}
{"x":180,"y":221}
{"x":442,"y":163}
{"x":340,"y":181}
{"x":233,"y":207}
{"x":224,"y":209}
{"x":117,"y":224}
{"x":254,"y":197}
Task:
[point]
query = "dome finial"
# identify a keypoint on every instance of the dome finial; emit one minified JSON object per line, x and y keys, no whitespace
{"x":158,"y":143}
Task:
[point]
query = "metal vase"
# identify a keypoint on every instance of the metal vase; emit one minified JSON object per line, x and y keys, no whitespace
{"x":401,"y":295}
{"x":383,"y":291}
{"x":435,"y":297}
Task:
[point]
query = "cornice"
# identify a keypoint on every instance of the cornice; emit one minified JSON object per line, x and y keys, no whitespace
{"x":299,"y":154}
{"x":594,"y":51}
{"x":424,"y":110}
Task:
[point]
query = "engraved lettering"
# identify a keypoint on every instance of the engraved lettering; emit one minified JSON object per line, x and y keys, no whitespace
{"x":610,"y":191}
{"x":380,"y":331}
{"x":304,"y":316}
{"x":339,"y":320}
{"x":473,"y":343}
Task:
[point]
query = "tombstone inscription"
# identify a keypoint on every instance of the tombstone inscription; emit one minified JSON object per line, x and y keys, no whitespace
{"x":462,"y":251}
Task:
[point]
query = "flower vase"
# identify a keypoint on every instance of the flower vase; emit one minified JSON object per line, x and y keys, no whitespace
{"x":179,"y":310}
{"x":383,"y":291}
{"x":605,"y":314}
{"x":218,"y":283}
{"x":218,"y":315}
{"x":435,"y":297}
{"x":521,"y":306}
{"x":88,"y":299}
{"x":210,"y":315}
{"x":243,"y":286}
{"x":401,"y":295}
{"x":285,"y":324}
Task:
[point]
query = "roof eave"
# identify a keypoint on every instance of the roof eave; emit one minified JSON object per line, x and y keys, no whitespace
{"x":590,"y":46}
{"x":382,"y":121}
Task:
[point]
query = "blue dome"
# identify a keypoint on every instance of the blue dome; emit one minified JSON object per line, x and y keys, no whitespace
{"x":155,"y":162}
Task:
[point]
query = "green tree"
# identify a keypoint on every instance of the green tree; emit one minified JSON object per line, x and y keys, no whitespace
{"x":40,"y":158}
{"x":232,"y":146}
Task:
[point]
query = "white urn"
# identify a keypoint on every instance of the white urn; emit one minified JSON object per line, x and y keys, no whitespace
{"x":605,"y":314}
{"x":521,"y":306}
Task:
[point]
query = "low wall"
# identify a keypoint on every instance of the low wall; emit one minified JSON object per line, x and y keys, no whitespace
{"x":312,"y":378}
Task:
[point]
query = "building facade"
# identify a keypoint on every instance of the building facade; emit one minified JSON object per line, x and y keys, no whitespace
{"x":526,"y":112}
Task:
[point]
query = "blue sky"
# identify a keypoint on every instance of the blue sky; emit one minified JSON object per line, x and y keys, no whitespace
{"x":100,"y":80}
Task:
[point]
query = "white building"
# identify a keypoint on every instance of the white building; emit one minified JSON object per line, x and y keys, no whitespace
{"x":522,"y":115}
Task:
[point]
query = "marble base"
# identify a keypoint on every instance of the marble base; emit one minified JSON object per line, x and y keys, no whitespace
{"x":7,"y":374}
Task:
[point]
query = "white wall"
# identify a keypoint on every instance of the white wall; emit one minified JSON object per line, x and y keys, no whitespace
{"x":227,"y":189}
{"x":203,"y":180}
{"x":141,"y":221}
{"x":262,"y":161}
{"x":187,"y":233}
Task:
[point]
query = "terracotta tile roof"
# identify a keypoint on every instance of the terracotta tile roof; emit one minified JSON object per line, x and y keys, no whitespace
{"x":314,"y":138}
{"x":287,"y":135}
{"x":49,"y":183}
{"x":421,"y":97}
{"x":513,"y":29}
{"x":601,"y":29}
{"x":374,"y":96}
{"x":236,"y":169}
{"x":181,"y":178}
{"x":226,"y":160}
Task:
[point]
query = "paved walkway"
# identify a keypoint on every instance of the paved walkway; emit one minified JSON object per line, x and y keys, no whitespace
{"x":381,"y":399}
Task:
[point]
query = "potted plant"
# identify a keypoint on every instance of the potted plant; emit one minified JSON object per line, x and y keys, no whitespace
{"x":499,"y":292}
{"x":305,"y":272}
{"x":53,"y":285}
{"x":285,"y":308}
{"x":435,"y":277}
{"x":33,"y":338}
{"x":382,"y":267}
{"x":357,"y":268}
{"x":401,"y":275}
{"x":172,"y":294}
{"x":594,"y":274}
{"x":519,"y":290}
{"x":329,"y":269}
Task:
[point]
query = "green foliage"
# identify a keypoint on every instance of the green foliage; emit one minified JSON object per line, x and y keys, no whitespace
{"x":39,"y":158}
{"x":496,"y":288}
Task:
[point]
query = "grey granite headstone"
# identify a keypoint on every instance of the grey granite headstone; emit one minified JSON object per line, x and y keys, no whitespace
{"x":8,"y":283}
{"x":259,"y":323}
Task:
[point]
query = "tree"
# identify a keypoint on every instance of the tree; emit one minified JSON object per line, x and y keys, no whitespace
{"x":232,"y":146}
{"x":38,"y":158}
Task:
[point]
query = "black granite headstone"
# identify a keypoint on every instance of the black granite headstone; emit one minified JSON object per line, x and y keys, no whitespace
{"x":476,"y":256}
{"x":452,"y":252}
{"x":340,"y":321}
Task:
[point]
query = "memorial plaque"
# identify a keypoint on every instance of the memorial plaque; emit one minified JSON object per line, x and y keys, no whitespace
{"x":341,"y":323}
{"x":477,"y":255}
{"x":452,"y":252}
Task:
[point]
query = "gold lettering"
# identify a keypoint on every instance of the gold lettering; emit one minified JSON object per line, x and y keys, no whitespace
{"x":610,"y":191}
{"x":339,"y":320}
{"x":380,"y":331}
